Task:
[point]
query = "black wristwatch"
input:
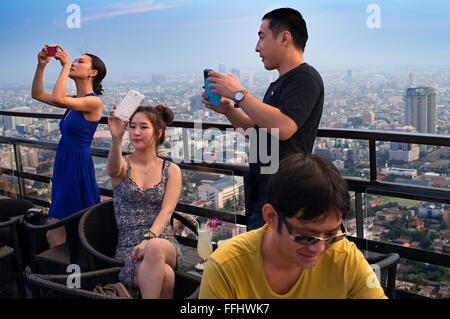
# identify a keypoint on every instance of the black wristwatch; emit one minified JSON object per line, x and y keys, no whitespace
{"x":149,"y":235}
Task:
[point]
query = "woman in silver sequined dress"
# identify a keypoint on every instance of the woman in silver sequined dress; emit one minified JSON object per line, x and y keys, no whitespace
{"x":146,"y":192}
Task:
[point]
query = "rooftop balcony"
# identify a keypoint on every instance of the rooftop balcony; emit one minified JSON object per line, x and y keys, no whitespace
{"x":377,"y":199}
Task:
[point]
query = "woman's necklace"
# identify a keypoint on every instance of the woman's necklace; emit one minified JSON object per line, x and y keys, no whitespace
{"x":145,"y":171}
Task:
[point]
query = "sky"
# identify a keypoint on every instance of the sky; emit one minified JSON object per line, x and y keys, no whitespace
{"x":139,"y":37}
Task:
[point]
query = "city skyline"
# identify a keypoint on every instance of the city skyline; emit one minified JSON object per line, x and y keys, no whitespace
{"x":146,"y":37}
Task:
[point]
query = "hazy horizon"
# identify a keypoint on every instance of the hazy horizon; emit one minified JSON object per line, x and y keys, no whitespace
{"x":142,"y":37}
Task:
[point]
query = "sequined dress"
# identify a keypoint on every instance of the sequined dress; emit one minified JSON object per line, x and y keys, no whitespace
{"x":135,"y":210}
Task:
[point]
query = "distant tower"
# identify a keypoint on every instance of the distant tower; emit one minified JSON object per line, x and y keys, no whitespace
{"x":222,"y":68}
{"x":236,"y":72}
{"x":196,"y":103}
{"x":368,"y":117}
{"x":158,"y":79}
{"x":349,"y":74}
{"x":412,"y":80}
{"x":420,"y":109}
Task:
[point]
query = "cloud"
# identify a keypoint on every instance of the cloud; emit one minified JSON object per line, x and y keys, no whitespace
{"x":204,"y":23}
{"x":123,"y":9}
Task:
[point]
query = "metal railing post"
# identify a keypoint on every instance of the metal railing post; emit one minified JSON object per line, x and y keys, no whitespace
{"x":359,"y":216}
{"x":18,"y":159}
{"x":372,"y":160}
{"x":186,"y":151}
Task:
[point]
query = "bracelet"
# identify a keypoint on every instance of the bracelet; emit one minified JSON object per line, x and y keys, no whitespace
{"x":150,"y":235}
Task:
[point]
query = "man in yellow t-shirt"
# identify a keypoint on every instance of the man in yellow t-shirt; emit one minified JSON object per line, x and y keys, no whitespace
{"x":301,"y":251}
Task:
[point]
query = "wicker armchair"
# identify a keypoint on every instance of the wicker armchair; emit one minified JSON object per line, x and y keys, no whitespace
{"x":55,"y":260}
{"x":387,"y":264}
{"x":55,"y":286}
{"x":98,"y":234}
{"x":11,"y":258}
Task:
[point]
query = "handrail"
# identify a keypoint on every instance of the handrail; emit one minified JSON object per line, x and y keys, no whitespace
{"x":361,"y":134}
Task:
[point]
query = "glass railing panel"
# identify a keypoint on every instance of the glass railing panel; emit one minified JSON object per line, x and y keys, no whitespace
{"x":350,"y":221}
{"x":205,"y":145}
{"x":101,"y":174}
{"x":7,"y":159}
{"x":412,"y":164}
{"x":222,"y":192}
{"x":408,"y":223}
{"x":423,"y":279}
{"x":37,"y":161}
{"x":350,"y":156}
{"x":37,"y":190}
{"x":9,"y":185}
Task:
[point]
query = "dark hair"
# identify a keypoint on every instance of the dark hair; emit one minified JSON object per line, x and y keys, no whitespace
{"x":160,"y":116}
{"x":310,"y":183}
{"x":287,"y":19}
{"x":97,"y":64}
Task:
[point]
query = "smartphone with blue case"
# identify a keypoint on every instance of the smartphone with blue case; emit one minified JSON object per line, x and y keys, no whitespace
{"x":212,"y":97}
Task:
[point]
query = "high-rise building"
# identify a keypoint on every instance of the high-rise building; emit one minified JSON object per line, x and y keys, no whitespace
{"x":368,"y":117}
{"x":196,"y":103}
{"x":412,"y":80}
{"x":349,"y":74}
{"x":236,"y":72}
{"x":420,"y":109}
{"x":7,"y":122}
{"x":222,"y":68}
{"x":158,"y":79}
{"x":403,"y":152}
{"x":250,"y":80}
{"x":17,"y":120}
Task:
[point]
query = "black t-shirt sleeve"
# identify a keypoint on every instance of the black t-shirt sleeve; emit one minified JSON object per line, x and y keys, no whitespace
{"x":298,"y":97}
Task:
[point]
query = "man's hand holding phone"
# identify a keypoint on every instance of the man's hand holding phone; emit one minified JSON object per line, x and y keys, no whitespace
{"x":221,"y":104}
{"x":224,"y":107}
{"x":224,"y":84}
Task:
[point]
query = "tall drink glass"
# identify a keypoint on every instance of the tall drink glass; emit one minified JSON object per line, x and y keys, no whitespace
{"x":204,"y":244}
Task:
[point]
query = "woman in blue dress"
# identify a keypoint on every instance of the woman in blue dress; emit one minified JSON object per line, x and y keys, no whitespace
{"x":74,"y":186}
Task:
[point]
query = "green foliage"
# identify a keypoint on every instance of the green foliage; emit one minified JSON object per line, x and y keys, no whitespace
{"x":434,"y":236}
{"x":431,"y":272}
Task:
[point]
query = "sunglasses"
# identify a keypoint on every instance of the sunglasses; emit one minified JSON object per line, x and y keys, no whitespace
{"x":311,"y":240}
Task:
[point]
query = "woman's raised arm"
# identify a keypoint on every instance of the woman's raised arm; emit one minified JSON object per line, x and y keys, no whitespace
{"x":115,"y":164}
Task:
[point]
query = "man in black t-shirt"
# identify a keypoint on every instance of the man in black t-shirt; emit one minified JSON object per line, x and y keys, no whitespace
{"x":292,"y":107}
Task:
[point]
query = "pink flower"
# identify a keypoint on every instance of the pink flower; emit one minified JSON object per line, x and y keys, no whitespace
{"x":214,"y":223}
